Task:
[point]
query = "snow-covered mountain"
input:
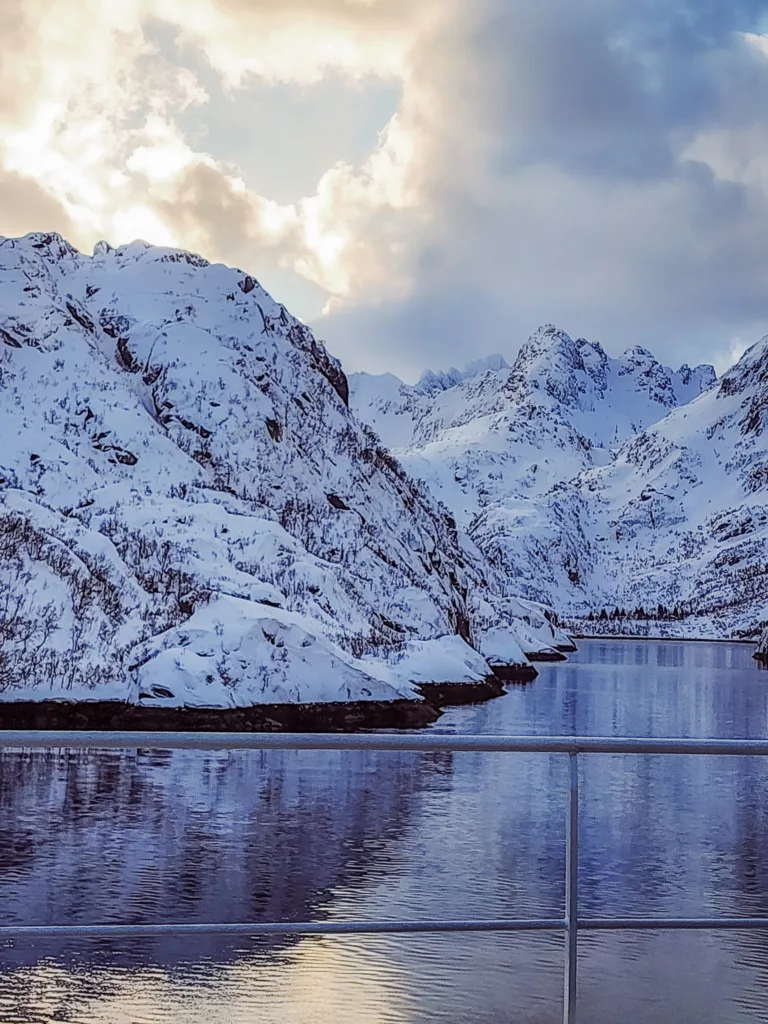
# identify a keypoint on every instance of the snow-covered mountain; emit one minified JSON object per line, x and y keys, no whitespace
{"x":680,"y":518}
{"x":189,"y":511}
{"x":556,"y":472}
{"x":604,"y":487}
{"x":481,"y":435}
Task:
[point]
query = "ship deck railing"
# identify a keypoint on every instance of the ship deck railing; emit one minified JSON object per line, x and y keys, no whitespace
{"x":573,"y":747}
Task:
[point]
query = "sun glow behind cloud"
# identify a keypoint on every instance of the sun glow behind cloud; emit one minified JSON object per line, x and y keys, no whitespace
{"x":98,"y":127}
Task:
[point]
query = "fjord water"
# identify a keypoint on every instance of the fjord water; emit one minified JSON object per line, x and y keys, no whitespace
{"x":194,"y":836}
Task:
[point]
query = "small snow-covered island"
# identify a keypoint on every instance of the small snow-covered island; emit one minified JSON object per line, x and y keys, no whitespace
{"x":204,"y":523}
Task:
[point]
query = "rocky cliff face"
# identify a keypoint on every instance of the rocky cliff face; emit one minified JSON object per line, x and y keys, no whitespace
{"x":187,"y":502}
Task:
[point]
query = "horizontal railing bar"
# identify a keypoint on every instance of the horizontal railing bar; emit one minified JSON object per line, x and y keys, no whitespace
{"x":279,"y":928}
{"x":381,"y":927}
{"x":626,"y":924}
{"x":423,"y":742}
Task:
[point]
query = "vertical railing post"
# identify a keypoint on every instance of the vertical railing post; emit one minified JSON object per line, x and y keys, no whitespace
{"x":571,"y":890}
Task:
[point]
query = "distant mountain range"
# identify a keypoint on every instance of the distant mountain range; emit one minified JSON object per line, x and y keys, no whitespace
{"x":600,"y":486}
{"x":489,"y":432}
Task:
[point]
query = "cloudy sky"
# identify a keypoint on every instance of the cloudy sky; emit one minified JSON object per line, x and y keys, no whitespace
{"x":425,"y":181}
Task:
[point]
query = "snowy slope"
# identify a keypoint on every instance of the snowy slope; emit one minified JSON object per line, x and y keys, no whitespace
{"x":680,"y":518}
{"x":481,"y":435}
{"x":190,"y":512}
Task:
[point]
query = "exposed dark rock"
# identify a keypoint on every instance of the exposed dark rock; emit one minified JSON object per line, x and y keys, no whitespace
{"x":515,"y":673}
{"x":117,"y":716}
{"x":761,"y":654}
{"x":189,"y":425}
{"x":331,"y":370}
{"x":550,"y":655}
{"x":348,"y":716}
{"x":125,"y":458}
{"x":446,"y":694}
{"x":275,"y":430}
{"x":337,"y":502}
{"x":125,"y":357}
{"x":9,"y":339}
{"x":81,"y":317}
{"x":462,"y":626}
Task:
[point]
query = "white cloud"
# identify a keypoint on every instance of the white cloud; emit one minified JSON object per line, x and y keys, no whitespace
{"x":297,"y":40}
{"x":600,"y":164}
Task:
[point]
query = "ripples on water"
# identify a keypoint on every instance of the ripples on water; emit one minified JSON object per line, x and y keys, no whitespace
{"x":194,"y":836}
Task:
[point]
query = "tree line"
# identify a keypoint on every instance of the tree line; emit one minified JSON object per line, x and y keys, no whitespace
{"x":660,"y":612}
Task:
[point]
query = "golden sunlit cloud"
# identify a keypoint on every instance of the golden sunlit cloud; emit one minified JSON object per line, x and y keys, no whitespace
{"x":99,"y":132}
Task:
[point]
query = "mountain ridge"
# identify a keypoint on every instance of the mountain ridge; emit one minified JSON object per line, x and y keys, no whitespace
{"x":678,"y":520}
{"x":523,"y":429}
{"x":597,"y":484}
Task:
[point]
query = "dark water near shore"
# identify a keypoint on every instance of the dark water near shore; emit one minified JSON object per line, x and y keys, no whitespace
{"x":154,"y":836}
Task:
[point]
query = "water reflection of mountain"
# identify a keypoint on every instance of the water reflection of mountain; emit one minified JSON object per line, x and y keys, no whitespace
{"x":127,"y":837}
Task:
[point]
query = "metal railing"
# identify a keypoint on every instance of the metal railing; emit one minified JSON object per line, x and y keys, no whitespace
{"x":570,"y":924}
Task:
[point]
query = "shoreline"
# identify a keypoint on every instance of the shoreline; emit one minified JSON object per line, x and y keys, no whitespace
{"x":659,"y":639}
{"x":346,"y":716}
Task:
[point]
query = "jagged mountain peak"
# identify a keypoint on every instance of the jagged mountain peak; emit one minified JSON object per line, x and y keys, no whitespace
{"x":548,"y":333}
{"x":638,"y":354}
{"x":644,"y":364}
{"x":678,"y":520}
{"x":49,"y":246}
{"x":549,"y":347}
{"x":553,"y":363}
{"x":432,"y":381}
{"x":752,"y":366}
{"x":749,"y":380}
{"x":496,"y":439}
{"x":704,"y":375}
{"x":572,"y":371}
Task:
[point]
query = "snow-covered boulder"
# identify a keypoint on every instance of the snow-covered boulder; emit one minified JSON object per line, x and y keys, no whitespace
{"x":502,"y":651}
{"x":233,"y":653}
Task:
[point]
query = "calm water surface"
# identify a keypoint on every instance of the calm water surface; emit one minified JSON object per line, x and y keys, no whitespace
{"x":194,"y":836}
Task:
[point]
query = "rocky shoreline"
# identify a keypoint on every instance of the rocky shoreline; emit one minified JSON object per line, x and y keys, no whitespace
{"x":514,"y":673}
{"x":347,"y":716}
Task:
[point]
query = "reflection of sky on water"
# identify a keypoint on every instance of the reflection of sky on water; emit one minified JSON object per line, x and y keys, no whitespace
{"x":192,"y":836}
